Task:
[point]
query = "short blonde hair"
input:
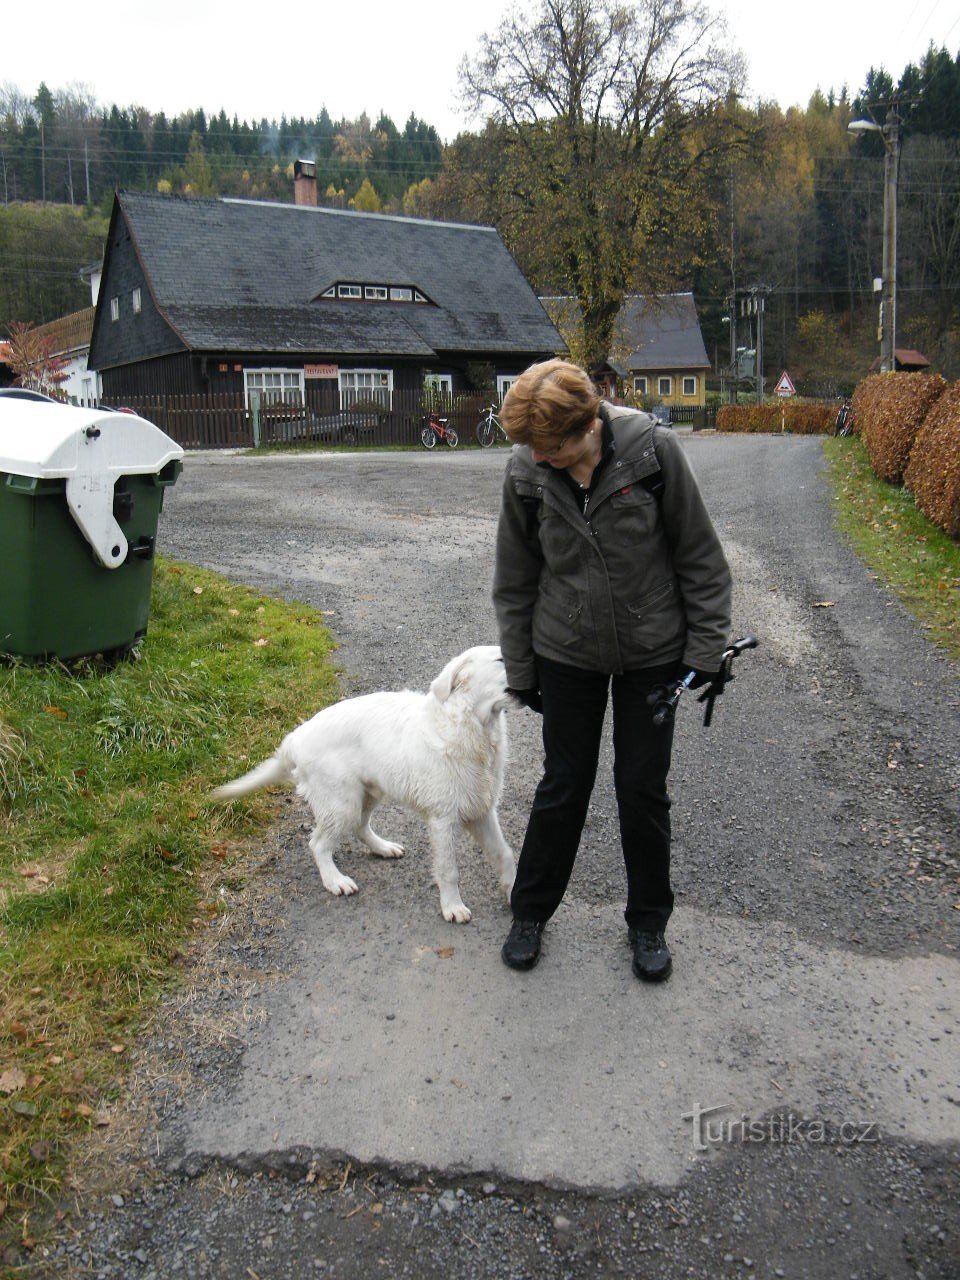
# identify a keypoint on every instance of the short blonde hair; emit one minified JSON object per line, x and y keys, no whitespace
{"x":548,"y":402}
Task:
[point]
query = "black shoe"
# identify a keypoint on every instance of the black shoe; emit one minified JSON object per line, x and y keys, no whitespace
{"x":522,"y":947}
{"x":652,"y":960}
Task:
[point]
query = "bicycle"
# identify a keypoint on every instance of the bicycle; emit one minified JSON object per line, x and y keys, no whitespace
{"x":489,"y":428}
{"x":436,"y":429}
{"x":844,"y":423}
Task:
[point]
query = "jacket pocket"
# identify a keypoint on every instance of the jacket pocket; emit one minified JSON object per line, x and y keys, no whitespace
{"x":657,"y":618}
{"x":635,"y":514}
{"x":557,"y":618}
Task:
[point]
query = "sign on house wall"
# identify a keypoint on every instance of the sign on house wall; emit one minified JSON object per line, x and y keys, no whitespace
{"x":320,"y":370}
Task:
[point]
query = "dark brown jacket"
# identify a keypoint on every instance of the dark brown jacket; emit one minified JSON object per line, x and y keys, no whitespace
{"x":635,"y":581}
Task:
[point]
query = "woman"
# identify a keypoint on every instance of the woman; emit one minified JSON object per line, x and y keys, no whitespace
{"x":609,"y":577}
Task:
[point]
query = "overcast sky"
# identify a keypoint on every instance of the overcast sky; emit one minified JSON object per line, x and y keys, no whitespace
{"x":291,"y":57}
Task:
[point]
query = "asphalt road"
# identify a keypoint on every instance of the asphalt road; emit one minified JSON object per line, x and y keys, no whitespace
{"x":352,"y":1087}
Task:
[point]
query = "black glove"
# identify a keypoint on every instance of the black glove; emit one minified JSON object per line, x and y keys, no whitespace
{"x":700,"y":678}
{"x":529,"y":698}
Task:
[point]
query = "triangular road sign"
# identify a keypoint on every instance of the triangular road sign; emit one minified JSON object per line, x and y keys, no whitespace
{"x":785,"y":386}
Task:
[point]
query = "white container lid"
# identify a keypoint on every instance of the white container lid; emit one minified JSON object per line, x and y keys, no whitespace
{"x":90,"y":449}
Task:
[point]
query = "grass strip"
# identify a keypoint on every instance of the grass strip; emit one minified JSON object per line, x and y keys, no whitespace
{"x":919,"y":562}
{"x":108,"y":846}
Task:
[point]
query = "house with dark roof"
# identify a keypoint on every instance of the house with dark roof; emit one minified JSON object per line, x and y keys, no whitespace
{"x":658,"y":351}
{"x":231,"y":295}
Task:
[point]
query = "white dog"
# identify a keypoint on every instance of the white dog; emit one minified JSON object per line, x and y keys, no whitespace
{"x":440,"y":753}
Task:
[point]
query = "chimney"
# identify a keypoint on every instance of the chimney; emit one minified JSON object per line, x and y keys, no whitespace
{"x":304,"y":182}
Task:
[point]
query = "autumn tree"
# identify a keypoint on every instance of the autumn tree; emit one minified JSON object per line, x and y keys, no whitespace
{"x":30,"y":355}
{"x":601,"y":112}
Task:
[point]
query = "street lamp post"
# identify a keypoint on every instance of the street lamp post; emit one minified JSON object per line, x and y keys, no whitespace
{"x":890,"y":133}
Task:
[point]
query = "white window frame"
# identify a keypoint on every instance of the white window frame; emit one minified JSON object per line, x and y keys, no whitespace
{"x":349,"y":291}
{"x":665,"y":390}
{"x":114,"y":309}
{"x":365,"y":384}
{"x":690,"y":387}
{"x":504,"y":382}
{"x":329,"y":293}
{"x":400,"y":294}
{"x":273,"y":385}
{"x":136,"y":302}
{"x":640,"y":386}
{"x":375,"y":292}
{"x":418,"y":296}
{"x":442,"y":382}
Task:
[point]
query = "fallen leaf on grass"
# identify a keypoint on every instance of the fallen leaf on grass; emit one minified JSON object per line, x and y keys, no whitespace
{"x":41,"y":1151}
{"x":58,"y":712}
{"x":23,"y":1108}
{"x":12,"y":1080}
{"x":260,"y":642}
{"x":198,"y":591}
{"x":19,"y":1030}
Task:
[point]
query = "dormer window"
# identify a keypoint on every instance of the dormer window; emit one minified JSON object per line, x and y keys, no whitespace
{"x":373,"y":292}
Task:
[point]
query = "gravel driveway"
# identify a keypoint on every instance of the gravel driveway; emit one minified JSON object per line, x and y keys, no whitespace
{"x":353,"y":1088}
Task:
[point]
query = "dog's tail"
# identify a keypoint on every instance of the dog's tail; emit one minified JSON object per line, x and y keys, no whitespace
{"x":272,"y":770}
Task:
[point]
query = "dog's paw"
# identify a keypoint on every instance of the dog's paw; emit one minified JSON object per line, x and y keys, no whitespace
{"x":339,"y":885}
{"x":457,"y":913}
{"x":387,"y":849}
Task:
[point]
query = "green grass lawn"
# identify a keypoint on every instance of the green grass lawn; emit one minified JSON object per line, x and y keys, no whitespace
{"x":109,"y":852}
{"x":919,"y":562}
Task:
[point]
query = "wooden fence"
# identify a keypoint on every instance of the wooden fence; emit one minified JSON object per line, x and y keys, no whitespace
{"x":226,"y":421}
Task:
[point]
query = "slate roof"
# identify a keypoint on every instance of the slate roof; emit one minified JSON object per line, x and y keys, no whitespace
{"x":246,"y":275}
{"x":651,"y":333}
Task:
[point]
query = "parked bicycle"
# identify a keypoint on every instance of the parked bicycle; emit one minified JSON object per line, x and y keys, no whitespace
{"x":435,"y":430}
{"x":844,"y":423}
{"x":490,"y":428}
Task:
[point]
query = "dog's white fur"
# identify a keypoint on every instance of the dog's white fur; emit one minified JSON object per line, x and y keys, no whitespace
{"x":441,"y":754}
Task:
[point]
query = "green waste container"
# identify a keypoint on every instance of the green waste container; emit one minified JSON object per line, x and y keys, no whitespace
{"x":80,"y":497}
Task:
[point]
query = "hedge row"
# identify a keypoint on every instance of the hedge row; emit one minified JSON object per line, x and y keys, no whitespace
{"x":933,"y":472}
{"x":799,"y":419}
{"x":889,"y":409}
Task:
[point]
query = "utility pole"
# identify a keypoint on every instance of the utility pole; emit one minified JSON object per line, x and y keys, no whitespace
{"x":86,"y":166}
{"x":891,"y":175}
{"x":755,"y":305}
{"x":889,"y":131}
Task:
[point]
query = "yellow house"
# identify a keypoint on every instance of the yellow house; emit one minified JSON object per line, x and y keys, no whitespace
{"x":658,"y":352}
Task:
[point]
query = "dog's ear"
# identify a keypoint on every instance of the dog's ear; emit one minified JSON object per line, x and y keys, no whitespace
{"x":451,"y":678}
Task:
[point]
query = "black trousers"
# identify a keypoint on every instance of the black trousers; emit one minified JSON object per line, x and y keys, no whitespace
{"x":574,"y":703}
